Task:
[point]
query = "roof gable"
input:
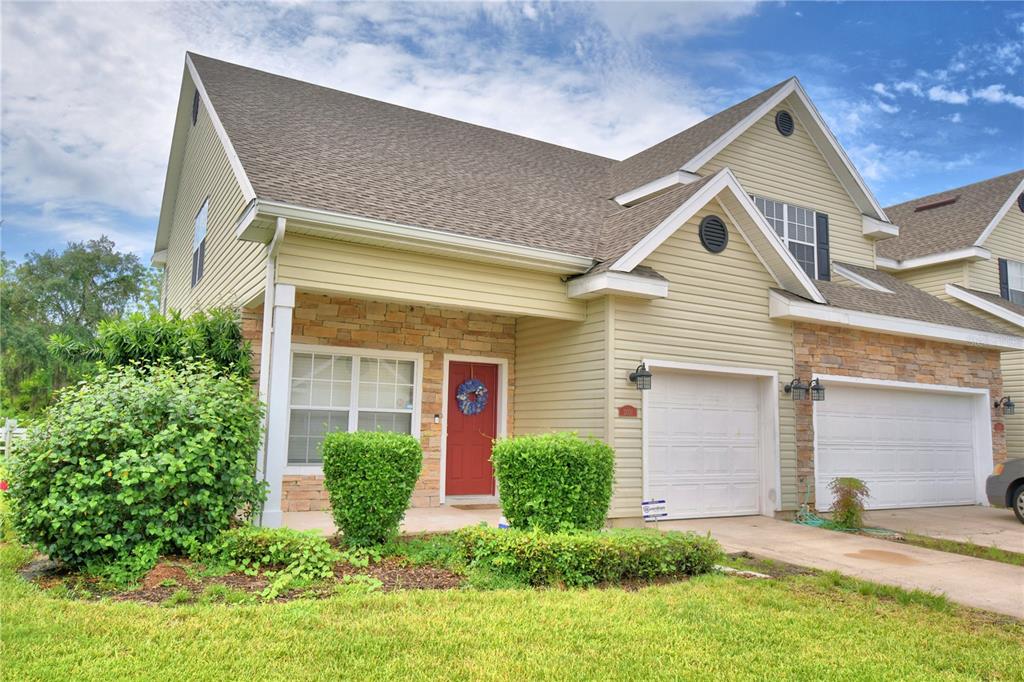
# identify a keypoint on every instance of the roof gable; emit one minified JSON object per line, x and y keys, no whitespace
{"x":952,"y":220}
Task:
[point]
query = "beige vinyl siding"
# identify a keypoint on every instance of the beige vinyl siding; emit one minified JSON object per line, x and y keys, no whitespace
{"x":716,"y":313}
{"x":933,"y":279}
{"x":560,"y":374}
{"x":365,"y":271}
{"x":793,"y":170}
{"x":1006,"y":241}
{"x":234,"y":271}
{"x":1013,"y":386}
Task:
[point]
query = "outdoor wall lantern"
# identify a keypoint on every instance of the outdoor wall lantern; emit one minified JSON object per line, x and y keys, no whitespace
{"x":641,"y":377}
{"x":796,"y":389}
{"x":1007,"y":404}
{"x":817,"y":390}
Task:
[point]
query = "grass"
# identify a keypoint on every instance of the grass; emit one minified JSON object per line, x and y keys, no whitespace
{"x":796,"y":627}
{"x":965,"y":548}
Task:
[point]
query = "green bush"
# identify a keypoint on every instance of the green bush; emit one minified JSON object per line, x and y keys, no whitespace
{"x":286,"y":556}
{"x":369,"y":478}
{"x":554,"y":482}
{"x":848,"y":506}
{"x":136,"y":463}
{"x":584,"y":558}
{"x":214,"y":336}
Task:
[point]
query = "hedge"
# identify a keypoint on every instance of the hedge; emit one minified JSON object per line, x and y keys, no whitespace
{"x":369,"y":477}
{"x":577,"y":559}
{"x":555,"y":481}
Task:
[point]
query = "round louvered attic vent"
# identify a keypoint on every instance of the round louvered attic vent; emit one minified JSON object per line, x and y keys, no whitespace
{"x":784,"y":122}
{"x":1020,"y":201}
{"x":713,"y":234}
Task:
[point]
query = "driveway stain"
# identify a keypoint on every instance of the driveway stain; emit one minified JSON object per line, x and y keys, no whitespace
{"x":886,"y":557}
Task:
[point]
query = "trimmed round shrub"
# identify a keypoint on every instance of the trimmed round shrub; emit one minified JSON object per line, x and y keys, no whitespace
{"x":136,"y":463}
{"x":554,"y":482}
{"x":369,"y":478}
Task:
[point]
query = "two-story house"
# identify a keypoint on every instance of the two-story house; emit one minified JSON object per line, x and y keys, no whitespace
{"x":710,"y":307}
{"x":966,"y":246}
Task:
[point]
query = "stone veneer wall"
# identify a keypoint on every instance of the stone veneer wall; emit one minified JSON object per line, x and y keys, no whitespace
{"x":328,"y":320}
{"x":851,"y":352}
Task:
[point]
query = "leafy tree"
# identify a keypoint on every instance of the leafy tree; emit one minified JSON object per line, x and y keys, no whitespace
{"x":60,"y":292}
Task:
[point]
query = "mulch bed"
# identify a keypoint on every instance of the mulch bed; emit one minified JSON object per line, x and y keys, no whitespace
{"x":397,"y":574}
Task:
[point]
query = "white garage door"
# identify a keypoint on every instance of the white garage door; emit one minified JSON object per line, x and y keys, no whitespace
{"x":912,"y":448}
{"x":702,"y":444}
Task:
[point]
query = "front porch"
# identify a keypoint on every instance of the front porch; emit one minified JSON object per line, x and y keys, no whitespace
{"x":339,"y":362}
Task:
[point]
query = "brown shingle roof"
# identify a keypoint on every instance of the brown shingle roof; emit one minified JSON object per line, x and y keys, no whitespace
{"x":321,"y":148}
{"x":994,"y":299}
{"x":669,"y":155}
{"x":947,"y":226}
{"x":906,"y":301}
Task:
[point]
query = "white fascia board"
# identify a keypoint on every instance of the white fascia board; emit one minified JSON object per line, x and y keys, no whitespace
{"x":655,"y":186}
{"x":981,"y":304}
{"x":972,"y":253}
{"x":820,"y":134}
{"x":159,"y":259}
{"x":1001,"y":214}
{"x":619,"y":283}
{"x":333,"y":225}
{"x":859,"y":279}
{"x":878,"y":229}
{"x":229,"y":149}
{"x":780,"y":307}
{"x":724,"y":180}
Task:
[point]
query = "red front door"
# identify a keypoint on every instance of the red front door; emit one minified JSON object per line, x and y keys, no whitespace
{"x":471,"y":429}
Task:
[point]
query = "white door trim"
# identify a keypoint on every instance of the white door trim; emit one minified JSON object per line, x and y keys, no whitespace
{"x":501,"y":395}
{"x":982,"y":420}
{"x":770,"y":470}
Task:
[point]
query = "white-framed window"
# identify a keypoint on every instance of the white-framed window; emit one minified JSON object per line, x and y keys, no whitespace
{"x":1015,"y":281}
{"x":344,"y":389}
{"x":199,"y":242}
{"x":796,"y":227}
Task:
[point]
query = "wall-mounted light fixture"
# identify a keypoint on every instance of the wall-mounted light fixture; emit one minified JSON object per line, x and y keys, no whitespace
{"x":817,"y":390}
{"x":796,"y":389}
{"x":641,"y":376}
{"x":1007,"y":404}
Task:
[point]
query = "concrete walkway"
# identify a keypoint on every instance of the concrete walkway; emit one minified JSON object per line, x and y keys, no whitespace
{"x":986,"y":526}
{"x":973,"y":582}
{"x":417,"y":520}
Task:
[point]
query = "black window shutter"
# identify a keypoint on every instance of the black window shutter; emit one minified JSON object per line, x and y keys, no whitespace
{"x":1004,"y":280}
{"x":824,"y":267}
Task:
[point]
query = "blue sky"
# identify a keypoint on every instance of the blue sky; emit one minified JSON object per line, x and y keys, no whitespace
{"x":923,"y":96}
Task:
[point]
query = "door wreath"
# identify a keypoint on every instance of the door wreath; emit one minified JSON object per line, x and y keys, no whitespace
{"x":472,"y":397}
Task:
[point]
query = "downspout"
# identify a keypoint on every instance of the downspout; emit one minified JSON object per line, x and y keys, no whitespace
{"x":266,"y":337}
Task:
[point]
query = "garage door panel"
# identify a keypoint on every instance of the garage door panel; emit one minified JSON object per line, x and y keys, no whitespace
{"x":702,"y":444}
{"x":912,"y":448}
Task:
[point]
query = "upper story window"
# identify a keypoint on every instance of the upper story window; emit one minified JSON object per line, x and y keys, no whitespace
{"x":1015,"y":281}
{"x":199,"y":242}
{"x":797,"y":227}
{"x":343,"y":391}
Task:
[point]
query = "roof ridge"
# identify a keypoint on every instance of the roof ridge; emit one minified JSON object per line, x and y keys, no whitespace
{"x":400,"y":106}
{"x":950,"y":190}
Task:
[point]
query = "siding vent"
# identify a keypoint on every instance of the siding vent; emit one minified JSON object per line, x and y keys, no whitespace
{"x":936,"y":204}
{"x":714,"y":236}
{"x":195,"y":107}
{"x":1020,"y":201}
{"x":784,"y":122}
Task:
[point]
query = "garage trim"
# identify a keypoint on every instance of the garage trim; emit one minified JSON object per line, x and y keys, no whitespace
{"x":770,"y":469}
{"x":982,"y":420}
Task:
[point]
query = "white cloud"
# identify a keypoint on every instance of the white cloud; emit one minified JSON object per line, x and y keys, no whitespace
{"x":938,"y":93}
{"x":881,"y":89}
{"x":996,"y":94}
{"x":888,"y":108}
{"x":955,"y":118}
{"x":89,"y":90}
{"x":878,"y":164}
{"x":908,"y":86}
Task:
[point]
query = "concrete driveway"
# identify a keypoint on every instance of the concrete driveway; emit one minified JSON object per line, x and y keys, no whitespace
{"x":986,"y":526}
{"x":979,"y":583}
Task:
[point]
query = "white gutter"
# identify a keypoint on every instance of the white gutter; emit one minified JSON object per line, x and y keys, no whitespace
{"x":781,"y":307}
{"x":863,"y":281}
{"x":332,"y":224}
{"x":620,"y":283}
{"x":970,"y":253}
{"x":982,"y":304}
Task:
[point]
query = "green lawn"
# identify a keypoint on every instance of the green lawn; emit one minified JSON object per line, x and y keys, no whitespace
{"x":798,"y":627}
{"x":966,"y":548}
